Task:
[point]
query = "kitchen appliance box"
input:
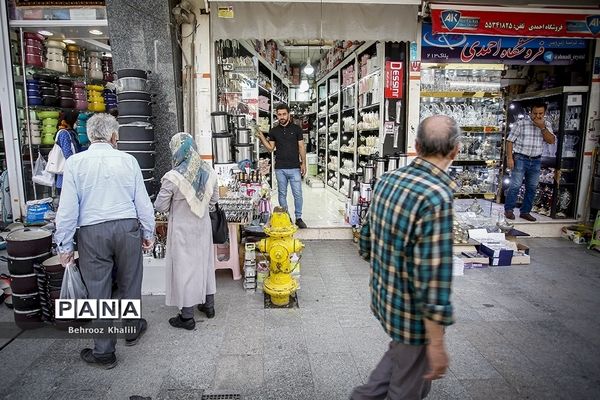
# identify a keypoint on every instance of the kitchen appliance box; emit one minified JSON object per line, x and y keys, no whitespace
{"x":491,"y":254}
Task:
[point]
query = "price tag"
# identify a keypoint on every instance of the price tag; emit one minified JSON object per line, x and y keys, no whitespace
{"x":225,"y":12}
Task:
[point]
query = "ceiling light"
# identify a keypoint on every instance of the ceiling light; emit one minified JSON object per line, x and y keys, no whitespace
{"x":69,"y":41}
{"x":45,"y":33}
{"x":303,"y":86}
{"x":308,"y":69}
{"x":96,"y":32}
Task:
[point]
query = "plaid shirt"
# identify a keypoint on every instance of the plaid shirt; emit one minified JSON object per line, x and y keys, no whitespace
{"x":408,"y":240}
{"x":527,"y":138}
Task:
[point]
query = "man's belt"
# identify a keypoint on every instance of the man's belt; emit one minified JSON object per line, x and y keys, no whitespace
{"x":528,"y":157}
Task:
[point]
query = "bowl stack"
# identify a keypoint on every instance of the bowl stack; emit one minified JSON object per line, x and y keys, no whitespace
{"x":110,"y":99}
{"x":55,"y":57}
{"x":82,"y":129}
{"x":107,"y":69}
{"x":94,"y":66}
{"x":65,"y":93}
{"x":95,"y":98}
{"x":26,"y":248}
{"x":50,"y":275}
{"x":34,"y":49}
{"x":48,"y":89}
{"x":80,"y":96}
{"x":136,"y":133}
{"x":74,"y":60}
{"x":49,"y":126}
{"x":34,"y":125}
{"x":34,"y":96}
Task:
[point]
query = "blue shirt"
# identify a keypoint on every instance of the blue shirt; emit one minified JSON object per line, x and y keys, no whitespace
{"x":65,"y":140}
{"x":100,"y":185}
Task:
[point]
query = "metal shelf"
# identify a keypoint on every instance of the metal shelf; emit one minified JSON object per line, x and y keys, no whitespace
{"x":374,"y":105}
{"x":549,"y":93}
{"x":462,"y":94}
{"x":370,"y":75}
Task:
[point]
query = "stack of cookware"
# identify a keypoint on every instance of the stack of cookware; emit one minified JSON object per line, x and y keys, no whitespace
{"x":136,"y":133}
{"x":34,"y":96}
{"x":34,"y":49}
{"x":81,"y":128}
{"x":48,"y":89}
{"x":107,"y":69}
{"x":55,"y":57}
{"x":244,"y":144}
{"x":65,"y":93}
{"x":222,"y":139}
{"x":49,"y":126}
{"x":27,"y":247}
{"x":34,"y":127}
{"x":79,"y":96}
{"x":94,"y":65}
{"x":95,"y":98}
{"x":50,"y":275}
{"x":74,"y":60}
{"x":110,"y":99}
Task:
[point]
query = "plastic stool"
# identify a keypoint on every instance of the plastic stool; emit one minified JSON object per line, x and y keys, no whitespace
{"x":232,"y":257}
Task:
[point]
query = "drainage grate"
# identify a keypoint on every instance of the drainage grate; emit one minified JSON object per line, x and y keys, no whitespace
{"x":222,"y":396}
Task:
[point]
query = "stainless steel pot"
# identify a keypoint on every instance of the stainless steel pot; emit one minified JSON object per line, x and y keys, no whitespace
{"x":240,"y":121}
{"x":131,"y":84}
{"x":222,"y":149}
{"x":393,"y":162}
{"x":380,"y":168}
{"x":368,"y":172}
{"x":219,"y":122}
{"x":242,"y":136}
{"x":244,"y":152}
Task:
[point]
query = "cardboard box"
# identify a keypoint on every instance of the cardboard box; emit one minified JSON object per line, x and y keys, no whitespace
{"x":521,"y":256}
{"x":500,"y":253}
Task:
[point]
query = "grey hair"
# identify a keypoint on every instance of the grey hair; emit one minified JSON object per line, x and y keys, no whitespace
{"x":437,"y":135}
{"x":100,"y":127}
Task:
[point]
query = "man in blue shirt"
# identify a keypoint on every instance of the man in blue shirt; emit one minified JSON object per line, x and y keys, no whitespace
{"x":104,"y":195}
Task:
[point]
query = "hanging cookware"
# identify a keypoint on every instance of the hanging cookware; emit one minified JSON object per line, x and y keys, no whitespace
{"x":242,"y":136}
{"x":132,"y":73}
{"x":132,"y":85}
{"x":144,"y":96}
{"x":24,"y":266}
{"x":28,"y":319}
{"x":28,"y":242}
{"x":243,"y":153}
{"x":222,"y":149}
{"x":129,"y":119}
{"x":131,"y":133}
{"x":134,"y":107}
{"x":23,"y":284}
{"x":219,"y":122}
{"x":135,"y":145}
{"x":26,"y":302}
{"x":146,"y":159}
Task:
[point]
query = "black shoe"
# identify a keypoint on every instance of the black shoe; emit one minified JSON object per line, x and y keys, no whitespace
{"x":88,"y":356}
{"x":300,"y":224}
{"x":142,"y":328}
{"x":528,"y":217}
{"x":509,"y":215}
{"x":209,"y":311}
{"x":178,"y":322}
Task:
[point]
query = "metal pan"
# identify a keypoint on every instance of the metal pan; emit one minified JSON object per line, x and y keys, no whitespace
{"x":26,"y":302}
{"x":23,"y":284}
{"x":28,"y":242}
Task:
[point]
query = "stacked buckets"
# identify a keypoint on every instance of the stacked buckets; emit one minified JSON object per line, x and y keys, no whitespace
{"x":231,"y":139}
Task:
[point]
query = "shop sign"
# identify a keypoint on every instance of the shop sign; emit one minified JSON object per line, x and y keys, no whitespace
{"x":394,"y":80}
{"x":55,"y":3}
{"x":506,"y":21}
{"x":225,"y":12}
{"x":502,"y":50}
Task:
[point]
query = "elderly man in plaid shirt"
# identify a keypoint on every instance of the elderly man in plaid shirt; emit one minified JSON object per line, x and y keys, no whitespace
{"x":524,"y":148}
{"x":408,"y":240}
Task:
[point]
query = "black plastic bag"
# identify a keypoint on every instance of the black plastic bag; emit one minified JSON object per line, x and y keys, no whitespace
{"x":218,"y":220}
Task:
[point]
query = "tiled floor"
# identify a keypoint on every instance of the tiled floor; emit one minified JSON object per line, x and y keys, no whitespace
{"x":522,"y":332}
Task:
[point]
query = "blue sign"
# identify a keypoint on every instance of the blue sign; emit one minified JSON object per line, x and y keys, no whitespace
{"x":501,"y":50}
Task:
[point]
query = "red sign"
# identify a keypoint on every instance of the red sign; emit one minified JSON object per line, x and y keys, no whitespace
{"x":506,"y":21}
{"x":394,"y":80}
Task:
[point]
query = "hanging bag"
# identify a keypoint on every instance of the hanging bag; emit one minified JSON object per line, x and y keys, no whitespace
{"x":218,"y":220}
{"x":72,"y":284}
{"x":40,"y":175}
{"x":56,"y":158}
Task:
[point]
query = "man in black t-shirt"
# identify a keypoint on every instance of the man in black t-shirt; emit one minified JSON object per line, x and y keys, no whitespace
{"x":290,"y":159}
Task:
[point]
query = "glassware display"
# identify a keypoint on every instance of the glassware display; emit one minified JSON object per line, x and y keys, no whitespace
{"x":478,"y":78}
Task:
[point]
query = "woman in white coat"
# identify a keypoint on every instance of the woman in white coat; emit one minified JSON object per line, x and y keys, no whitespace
{"x":188,"y":192}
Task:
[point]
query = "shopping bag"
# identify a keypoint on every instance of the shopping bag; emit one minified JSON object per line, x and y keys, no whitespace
{"x":218,"y":220}
{"x":38,"y":212}
{"x":40,"y":175}
{"x":72,"y":284}
{"x":56,"y":160}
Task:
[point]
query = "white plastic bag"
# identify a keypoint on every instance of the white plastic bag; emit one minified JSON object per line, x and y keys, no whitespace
{"x":56,"y":160}
{"x":72,"y":284}
{"x":40,"y":175}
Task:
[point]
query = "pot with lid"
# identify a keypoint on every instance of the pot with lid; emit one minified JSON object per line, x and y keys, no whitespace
{"x":243,"y":136}
{"x":368,"y":171}
{"x":28,"y":242}
{"x":222,"y":148}
{"x":381,"y":165}
{"x":243,"y":152}
{"x":393,"y":162}
{"x":239,"y":121}
{"x":219,"y":122}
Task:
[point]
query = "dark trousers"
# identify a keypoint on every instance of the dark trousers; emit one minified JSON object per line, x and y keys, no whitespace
{"x":101,"y":247}
{"x":526,"y":169}
{"x":398,"y":376}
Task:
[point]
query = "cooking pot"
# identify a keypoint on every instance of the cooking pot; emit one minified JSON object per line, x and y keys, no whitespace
{"x":48,"y":114}
{"x":147,"y":173}
{"x":26,"y":302}
{"x":28,"y":242}
{"x":242,"y":136}
{"x":66,"y":102}
{"x":240,"y":121}
{"x":244,"y":152}
{"x":368,"y":172}
{"x":132,"y":84}
{"x":132,"y":73}
{"x":55,"y":44}
{"x":79,"y":96}
{"x":34,"y":50}
{"x":34,"y":60}
{"x":74,"y":69}
{"x":95,"y":74}
{"x":65,"y":87}
{"x":33,"y":92}
{"x":79,"y":84}
{"x":53,"y":264}
{"x":135,"y":146}
{"x":48,"y":91}
{"x":222,"y":149}
{"x":81,"y":104}
{"x":56,"y":275}
{"x":73,"y":48}
{"x":28,"y":319}
{"x":144,"y":158}
{"x":23,"y":284}
{"x":129,"y":119}
{"x":34,"y":35}
{"x":219,"y":122}
{"x":24,"y":266}
{"x":97,"y":107}
{"x":65,"y":93}
{"x":134,"y":107}
{"x":49,"y":122}
{"x":49,"y":129}
{"x":49,"y":100}
{"x":45,"y":78}
{"x":129,"y":133}
{"x":145,"y":96}
{"x":54,"y":294}
{"x":56,"y":66}
{"x":34,"y":43}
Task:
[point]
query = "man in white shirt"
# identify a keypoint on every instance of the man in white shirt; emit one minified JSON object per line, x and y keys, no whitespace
{"x":104,"y":195}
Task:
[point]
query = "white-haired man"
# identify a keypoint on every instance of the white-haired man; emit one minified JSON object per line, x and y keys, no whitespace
{"x":104,"y":195}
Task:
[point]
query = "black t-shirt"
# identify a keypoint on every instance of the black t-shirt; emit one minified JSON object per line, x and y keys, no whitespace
{"x":287,"y":152}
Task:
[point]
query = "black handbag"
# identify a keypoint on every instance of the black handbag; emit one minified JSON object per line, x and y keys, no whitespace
{"x":218,"y":220}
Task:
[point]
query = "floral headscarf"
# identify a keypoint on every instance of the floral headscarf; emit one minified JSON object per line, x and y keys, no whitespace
{"x":194,"y":177}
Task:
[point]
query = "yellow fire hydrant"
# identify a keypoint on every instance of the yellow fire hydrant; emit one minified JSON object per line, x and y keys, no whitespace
{"x":280,"y":245}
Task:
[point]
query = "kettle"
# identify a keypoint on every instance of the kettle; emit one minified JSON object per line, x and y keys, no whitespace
{"x":368,"y":171}
{"x":355,"y":199}
{"x":381,"y":164}
{"x":393,"y":162}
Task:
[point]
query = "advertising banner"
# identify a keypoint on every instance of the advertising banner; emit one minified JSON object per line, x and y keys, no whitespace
{"x":507,"y":21}
{"x":394,"y":80}
{"x":459,"y":48}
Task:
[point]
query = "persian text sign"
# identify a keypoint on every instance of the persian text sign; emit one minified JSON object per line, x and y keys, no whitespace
{"x":394,"y":80}
{"x":502,"y":50}
{"x":506,"y":21}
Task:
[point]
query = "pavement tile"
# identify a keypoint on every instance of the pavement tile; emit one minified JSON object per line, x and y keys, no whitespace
{"x":235,"y":372}
{"x":335,"y":375}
